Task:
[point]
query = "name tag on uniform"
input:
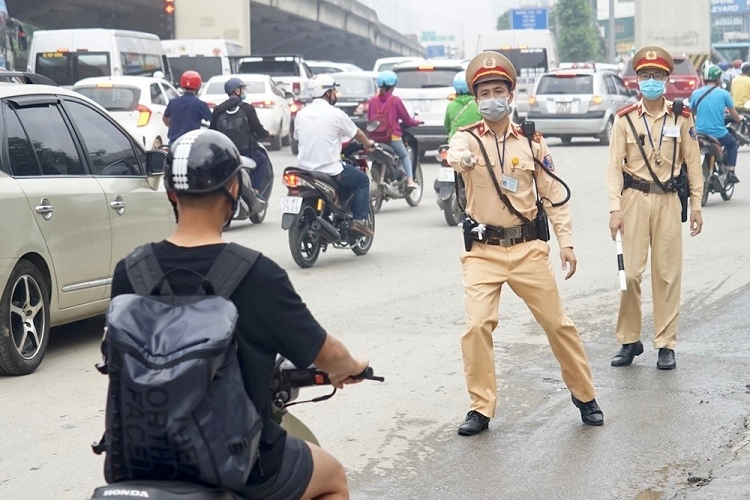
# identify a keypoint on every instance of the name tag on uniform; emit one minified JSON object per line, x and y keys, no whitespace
{"x":510,"y":183}
{"x":672,"y":131}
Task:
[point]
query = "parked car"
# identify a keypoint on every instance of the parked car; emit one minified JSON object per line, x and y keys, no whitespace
{"x":578,"y":103}
{"x":136,"y":102}
{"x":682,"y":82}
{"x":425,"y":87}
{"x":83,"y":194}
{"x":319,"y":67}
{"x":270,"y":102}
{"x":355,"y":91}
{"x":386,"y":63}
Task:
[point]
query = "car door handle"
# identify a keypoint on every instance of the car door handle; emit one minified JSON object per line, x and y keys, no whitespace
{"x":45,"y":208}
{"x":118,"y":205}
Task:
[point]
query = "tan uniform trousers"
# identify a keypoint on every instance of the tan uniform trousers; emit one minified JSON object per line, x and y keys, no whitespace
{"x":526,"y":268}
{"x":651,"y":219}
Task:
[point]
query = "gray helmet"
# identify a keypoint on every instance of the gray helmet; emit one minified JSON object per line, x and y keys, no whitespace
{"x":233,"y":84}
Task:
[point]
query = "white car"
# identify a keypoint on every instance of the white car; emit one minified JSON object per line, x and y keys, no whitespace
{"x":387,"y":63}
{"x":321,"y":67}
{"x":135,"y":102}
{"x":269,"y":100}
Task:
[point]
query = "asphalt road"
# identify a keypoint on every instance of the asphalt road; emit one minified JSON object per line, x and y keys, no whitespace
{"x":401,"y":305}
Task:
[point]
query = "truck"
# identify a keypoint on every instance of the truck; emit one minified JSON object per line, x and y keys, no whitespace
{"x":209,"y":57}
{"x":532,"y":53}
{"x":682,"y":28}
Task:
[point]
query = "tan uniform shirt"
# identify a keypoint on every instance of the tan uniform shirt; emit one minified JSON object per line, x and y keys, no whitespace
{"x":484,"y":204}
{"x":624,"y":154}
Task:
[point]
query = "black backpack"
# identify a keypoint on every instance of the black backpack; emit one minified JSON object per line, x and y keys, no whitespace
{"x":233,"y":123}
{"x":177,"y":409}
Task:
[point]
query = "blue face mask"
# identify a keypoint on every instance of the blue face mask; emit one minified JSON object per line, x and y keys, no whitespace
{"x":652,"y":89}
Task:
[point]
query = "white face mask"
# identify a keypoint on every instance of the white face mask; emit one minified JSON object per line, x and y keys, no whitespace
{"x":494,"y":110}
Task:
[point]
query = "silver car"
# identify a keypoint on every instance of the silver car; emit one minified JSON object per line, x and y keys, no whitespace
{"x":578,"y":103}
{"x":77,"y":194}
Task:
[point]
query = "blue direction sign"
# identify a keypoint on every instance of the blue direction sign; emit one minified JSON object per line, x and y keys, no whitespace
{"x":529,"y":19}
{"x":434,"y":51}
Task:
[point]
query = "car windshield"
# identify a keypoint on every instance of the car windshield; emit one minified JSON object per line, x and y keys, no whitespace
{"x":250,"y":87}
{"x":113,"y":98}
{"x":66,"y":68}
{"x":681,"y":67}
{"x":273,"y":67}
{"x":355,"y":86}
{"x":205,"y":66}
{"x":566,"y":84}
{"x":426,"y":78}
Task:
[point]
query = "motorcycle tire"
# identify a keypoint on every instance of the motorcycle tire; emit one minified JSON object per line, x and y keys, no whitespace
{"x":259,"y":217}
{"x":304,"y":245}
{"x":365,"y":242}
{"x":377,"y":172}
{"x":727,"y":193}
{"x":415,"y":195}
{"x":451,"y":211}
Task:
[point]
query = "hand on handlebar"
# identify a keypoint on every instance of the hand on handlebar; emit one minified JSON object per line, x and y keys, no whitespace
{"x":339,"y":380}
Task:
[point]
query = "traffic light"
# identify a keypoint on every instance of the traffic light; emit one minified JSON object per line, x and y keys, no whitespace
{"x":167,"y":16}
{"x":169,"y":7}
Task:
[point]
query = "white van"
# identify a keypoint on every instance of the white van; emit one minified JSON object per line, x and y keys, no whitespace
{"x":532,"y":52}
{"x":67,"y":56}
{"x":209,"y":57}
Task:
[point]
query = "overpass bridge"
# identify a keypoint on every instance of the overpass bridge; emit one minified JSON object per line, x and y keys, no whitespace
{"x":340,"y":30}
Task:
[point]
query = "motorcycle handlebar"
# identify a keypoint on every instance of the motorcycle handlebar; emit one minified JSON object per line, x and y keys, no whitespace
{"x":312,"y":376}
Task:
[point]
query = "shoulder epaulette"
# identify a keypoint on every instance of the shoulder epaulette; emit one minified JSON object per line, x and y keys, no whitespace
{"x":627,"y":109}
{"x":473,"y":125}
{"x":685,"y":113}
{"x":537,"y":137}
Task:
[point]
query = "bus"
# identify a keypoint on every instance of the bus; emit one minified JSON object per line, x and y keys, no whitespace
{"x":209,"y":57}
{"x":67,"y":56}
{"x":532,"y":53}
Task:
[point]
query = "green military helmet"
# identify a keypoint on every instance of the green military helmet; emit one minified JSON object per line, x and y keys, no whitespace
{"x":712,"y":73}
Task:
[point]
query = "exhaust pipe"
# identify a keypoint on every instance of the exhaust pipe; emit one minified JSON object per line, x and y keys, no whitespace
{"x":389,"y":190}
{"x":325,"y":229}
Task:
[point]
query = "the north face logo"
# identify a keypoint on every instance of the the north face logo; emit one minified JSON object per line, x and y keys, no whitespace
{"x":127,"y":493}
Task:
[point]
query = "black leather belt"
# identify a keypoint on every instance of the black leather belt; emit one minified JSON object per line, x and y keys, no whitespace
{"x":643,"y":186}
{"x":506,"y":236}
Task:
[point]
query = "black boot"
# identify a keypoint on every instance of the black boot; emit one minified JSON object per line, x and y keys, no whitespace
{"x":627,"y":354}
{"x":591,"y":414}
{"x":474,"y":424}
{"x":666,"y":359}
{"x":732,"y":178}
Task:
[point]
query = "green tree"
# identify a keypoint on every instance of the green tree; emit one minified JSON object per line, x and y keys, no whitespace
{"x":503,"y":22}
{"x":578,"y":37}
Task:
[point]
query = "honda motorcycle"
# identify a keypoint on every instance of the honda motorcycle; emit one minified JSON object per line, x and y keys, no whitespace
{"x":253,"y":205}
{"x":715,"y":168}
{"x":389,"y":175}
{"x":287,"y":381}
{"x":316,"y":215}
{"x":445,"y":188}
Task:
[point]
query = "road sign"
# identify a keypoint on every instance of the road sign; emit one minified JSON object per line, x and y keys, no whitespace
{"x":719,"y":7}
{"x":529,"y":19}
{"x":435,"y":51}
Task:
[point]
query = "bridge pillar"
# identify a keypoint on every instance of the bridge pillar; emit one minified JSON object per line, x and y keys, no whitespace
{"x":228,"y":19}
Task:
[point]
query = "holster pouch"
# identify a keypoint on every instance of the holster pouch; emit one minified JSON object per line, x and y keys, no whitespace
{"x":467,"y":225}
{"x":683,"y":191}
{"x":541,"y":222}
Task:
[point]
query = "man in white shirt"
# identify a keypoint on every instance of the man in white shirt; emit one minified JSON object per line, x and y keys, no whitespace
{"x":320,"y":129}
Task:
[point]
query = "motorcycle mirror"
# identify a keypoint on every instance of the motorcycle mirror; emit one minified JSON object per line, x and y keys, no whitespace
{"x":373,"y":126}
{"x":747,"y":104}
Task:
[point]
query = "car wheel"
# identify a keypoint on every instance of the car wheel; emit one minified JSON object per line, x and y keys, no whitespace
{"x":276,"y":141}
{"x":605,"y":136}
{"x":286,"y":140}
{"x":566,"y":139}
{"x":157,"y":143}
{"x":24,"y":320}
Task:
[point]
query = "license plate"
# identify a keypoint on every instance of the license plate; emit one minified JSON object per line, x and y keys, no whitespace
{"x":446,"y":175}
{"x":562,"y":107}
{"x":424,"y":106}
{"x":290,"y":204}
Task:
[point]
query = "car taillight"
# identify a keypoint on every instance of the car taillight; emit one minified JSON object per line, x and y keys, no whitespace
{"x":296,"y":87}
{"x":362,"y":108}
{"x":691,"y":83}
{"x":145,"y":115}
{"x":532,"y":100}
{"x":295,"y":107}
{"x":597,"y":99}
{"x":267,"y":104}
{"x":291,"y":180}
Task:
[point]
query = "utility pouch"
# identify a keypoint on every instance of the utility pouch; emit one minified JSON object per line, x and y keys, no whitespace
{"x":683,"y":190}
{"x":468,"y":224}
{"x":541,"y":222}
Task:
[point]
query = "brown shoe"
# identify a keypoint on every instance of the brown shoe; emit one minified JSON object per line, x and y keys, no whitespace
{"x":361,"y":227}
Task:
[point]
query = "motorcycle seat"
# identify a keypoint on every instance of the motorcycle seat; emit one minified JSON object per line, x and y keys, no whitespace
{"x":161,"y":490}
{"x":312,"y":173}
{"x":709,"y":138}
{"x":388,"y":148}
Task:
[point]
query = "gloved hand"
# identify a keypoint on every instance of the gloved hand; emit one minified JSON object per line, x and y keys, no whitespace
{"x":468,"y":160}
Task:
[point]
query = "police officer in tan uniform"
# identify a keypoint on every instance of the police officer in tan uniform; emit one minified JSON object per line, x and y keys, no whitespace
{"x":650,"y":141}
{"x":505,"y":242}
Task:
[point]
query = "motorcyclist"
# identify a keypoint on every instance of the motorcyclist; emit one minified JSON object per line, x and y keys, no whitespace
{"x":741,"y":88}
{"x":320,"y":128}
{"x":185,"y":113}
{"x":248,"y":146}
{"x":710,"y":112}
{"x":203,"y":181}
{"x":395,"y":114}
{"x":463,"y":109}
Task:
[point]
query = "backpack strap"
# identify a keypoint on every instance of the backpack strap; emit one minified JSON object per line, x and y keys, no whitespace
{"x":230,"y":268}
{"x":144,"y":271}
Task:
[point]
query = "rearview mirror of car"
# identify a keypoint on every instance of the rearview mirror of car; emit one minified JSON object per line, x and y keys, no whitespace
{"x":156,"y":160}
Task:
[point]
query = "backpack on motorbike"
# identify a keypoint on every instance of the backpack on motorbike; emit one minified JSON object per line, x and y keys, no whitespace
{"x":234,"y":124}
{"x":177,"y":409}
{"x":383,"y":132}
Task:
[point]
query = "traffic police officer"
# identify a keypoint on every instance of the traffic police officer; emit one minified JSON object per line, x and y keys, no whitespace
{"x":507,"y":247}
{"x":650,"y":141}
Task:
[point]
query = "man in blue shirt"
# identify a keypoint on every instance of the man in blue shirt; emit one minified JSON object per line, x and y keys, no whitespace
{"x":709,"y":103}
{"x":185,"y":113}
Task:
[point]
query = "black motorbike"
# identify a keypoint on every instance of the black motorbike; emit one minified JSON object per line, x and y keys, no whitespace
{"x":445,"y":189}
{"x":287,"y":381}
{"x":254,"y":205}
{"x":316,"y":215}
{"x":715,"y":168}
{"x":388,"y":173}
{"x":741,"y":129}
